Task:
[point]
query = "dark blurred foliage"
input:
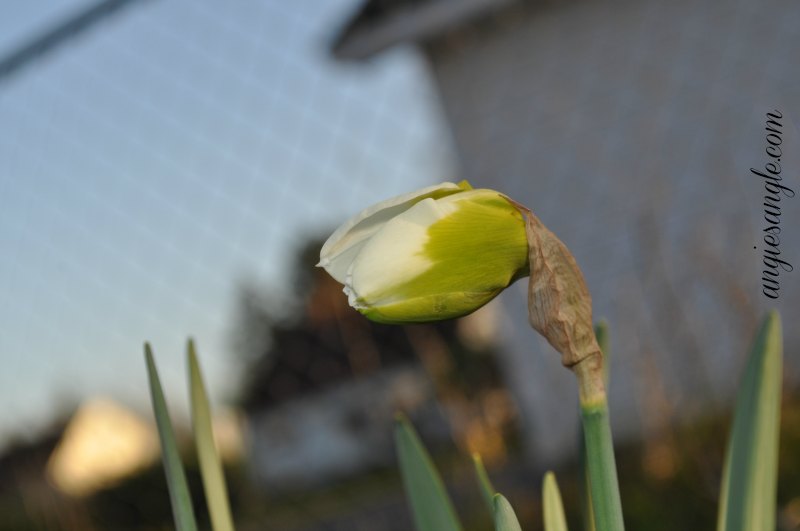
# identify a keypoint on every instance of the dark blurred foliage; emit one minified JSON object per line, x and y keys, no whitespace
{"x":317,"y":340}
{"x":23,"y":488}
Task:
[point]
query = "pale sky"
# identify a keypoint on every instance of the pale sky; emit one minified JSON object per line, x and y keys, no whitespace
{"x":153,"y":163}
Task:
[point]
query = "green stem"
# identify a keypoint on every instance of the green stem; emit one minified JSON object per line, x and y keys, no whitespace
{"x":600,"y":461}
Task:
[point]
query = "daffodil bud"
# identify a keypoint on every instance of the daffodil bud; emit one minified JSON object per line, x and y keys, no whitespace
{"x":438,"y":253}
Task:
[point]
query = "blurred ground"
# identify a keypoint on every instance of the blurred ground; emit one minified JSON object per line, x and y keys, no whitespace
{"x":666,"y":485}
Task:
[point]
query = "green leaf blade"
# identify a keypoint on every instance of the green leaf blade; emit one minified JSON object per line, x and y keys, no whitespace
{"x":430,"y":504}
{"x":485,"y":484}
{"x":603,"y":340}
{"x":504,"y":517}
{"x":181,"y":501}
{"x":210,"y":465}
{"x":554,"y":519}
{"x":749,"y":482}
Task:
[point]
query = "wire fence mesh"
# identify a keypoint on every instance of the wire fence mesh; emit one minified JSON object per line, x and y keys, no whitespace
{"x":165,"y":154}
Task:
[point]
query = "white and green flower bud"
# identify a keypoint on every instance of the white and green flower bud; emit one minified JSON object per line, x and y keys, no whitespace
{"x":438,"y":253}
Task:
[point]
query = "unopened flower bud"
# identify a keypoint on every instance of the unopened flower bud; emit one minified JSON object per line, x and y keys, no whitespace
{"x":438,"y":253}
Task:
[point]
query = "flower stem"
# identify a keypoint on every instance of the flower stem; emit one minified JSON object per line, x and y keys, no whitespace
{"x":560,"y":308}
{"x":600,"y":461}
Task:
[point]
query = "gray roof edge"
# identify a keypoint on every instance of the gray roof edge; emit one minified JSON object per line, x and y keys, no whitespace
{"x":361,"y":38}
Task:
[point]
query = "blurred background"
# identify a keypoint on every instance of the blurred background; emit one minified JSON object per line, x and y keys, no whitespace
{"x":170,"y":170}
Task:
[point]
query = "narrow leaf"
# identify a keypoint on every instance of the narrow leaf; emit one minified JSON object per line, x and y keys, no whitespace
{"x":487,"y":490}
{"x":554,"y":519}
{"x":208,"y":458}
{"x":504,"y":517}
{"x":601,"y":333}
{"x":176,"y":479}
{"x":749,"y":481}
{"x":430,"y":504}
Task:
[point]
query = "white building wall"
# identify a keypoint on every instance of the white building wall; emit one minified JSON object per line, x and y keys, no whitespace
{"x":629,"y":127}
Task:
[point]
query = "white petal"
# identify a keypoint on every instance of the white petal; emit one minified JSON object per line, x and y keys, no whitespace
{"x":393,"y":255}
{"x":344,"y":245}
